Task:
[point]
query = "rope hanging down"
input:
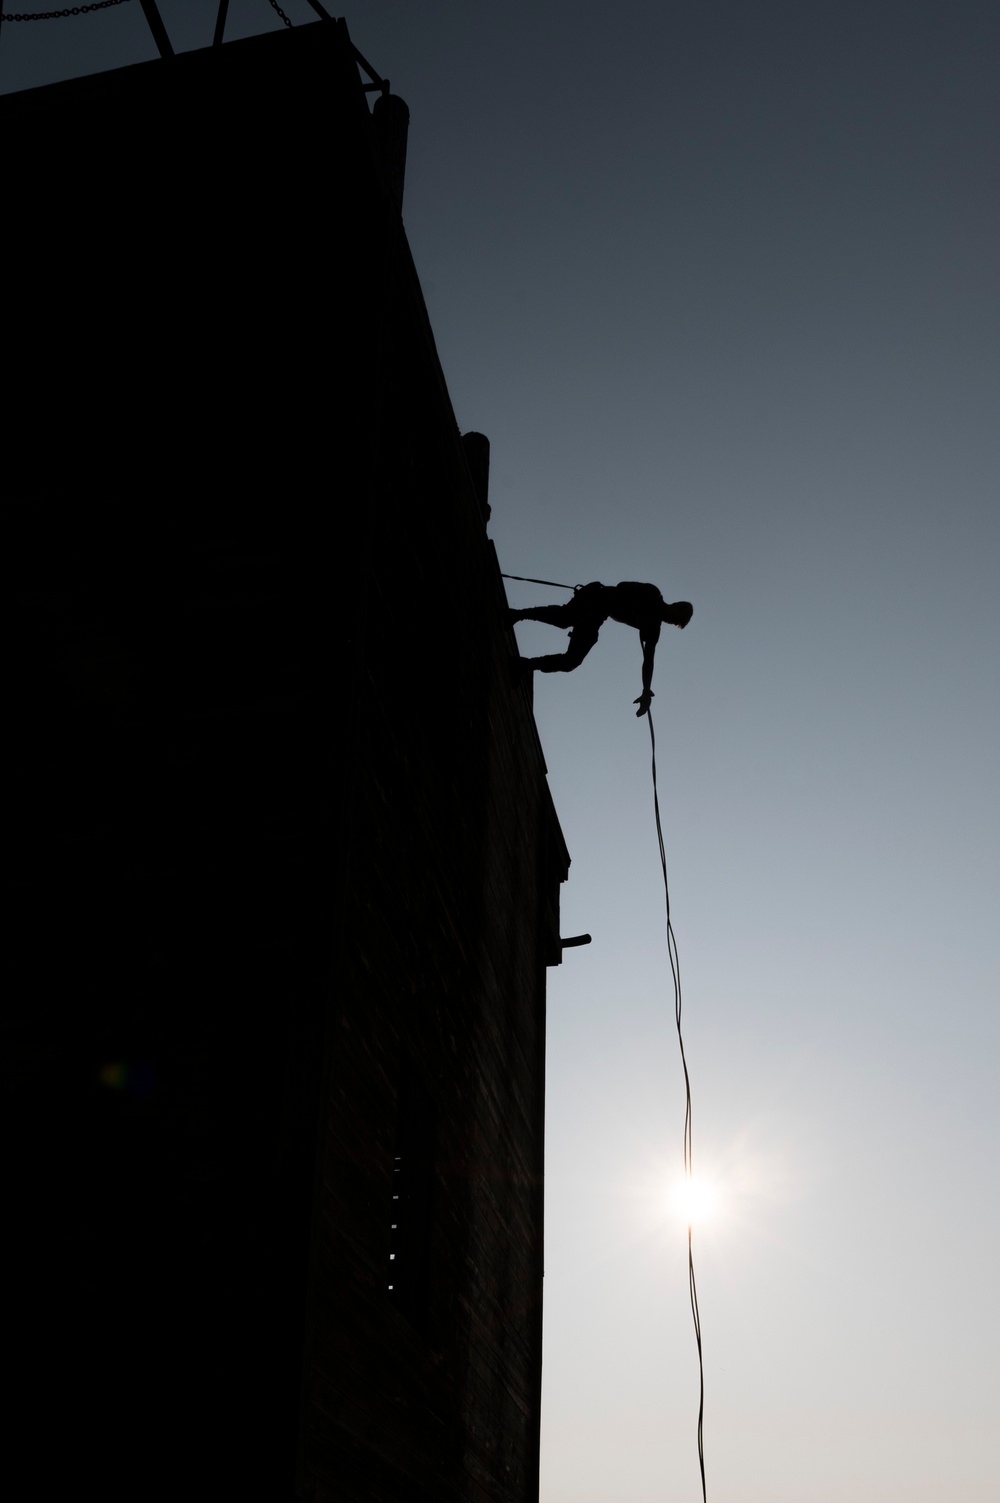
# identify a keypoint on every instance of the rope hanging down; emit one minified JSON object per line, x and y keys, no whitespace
{"x":675,"y":971}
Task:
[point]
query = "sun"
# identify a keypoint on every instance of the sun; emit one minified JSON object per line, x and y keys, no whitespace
{"x":694,"y":1199}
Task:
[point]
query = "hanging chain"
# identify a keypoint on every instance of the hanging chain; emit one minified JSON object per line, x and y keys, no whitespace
{"x":83,"y":10}
{"x":58,"y":15}
{"x":275,"y":6}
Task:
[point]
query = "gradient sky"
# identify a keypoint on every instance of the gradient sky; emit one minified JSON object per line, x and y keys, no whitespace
{"x":720,"y":282}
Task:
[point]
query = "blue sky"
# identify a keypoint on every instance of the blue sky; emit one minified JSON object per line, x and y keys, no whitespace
{"x":720,"y":283}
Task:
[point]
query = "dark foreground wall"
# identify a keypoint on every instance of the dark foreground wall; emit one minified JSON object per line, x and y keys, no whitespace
{"x":287,"y":863}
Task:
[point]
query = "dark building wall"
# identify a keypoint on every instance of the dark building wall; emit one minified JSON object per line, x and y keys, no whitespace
{"x":288,"y":863}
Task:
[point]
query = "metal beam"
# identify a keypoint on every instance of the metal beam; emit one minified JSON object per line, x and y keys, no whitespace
{"x":157,"y":27}
{"x":220,"y":23}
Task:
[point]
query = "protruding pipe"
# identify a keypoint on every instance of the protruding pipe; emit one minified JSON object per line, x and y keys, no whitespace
{"x":477,"y":455}
{"x":391,"y":119}
{"x":578,"y":939}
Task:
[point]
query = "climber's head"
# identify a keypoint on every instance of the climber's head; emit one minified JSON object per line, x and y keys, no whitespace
{"x":678,"y":614}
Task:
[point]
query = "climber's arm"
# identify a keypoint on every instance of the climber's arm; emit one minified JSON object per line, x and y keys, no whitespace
{"x":649,"y":635}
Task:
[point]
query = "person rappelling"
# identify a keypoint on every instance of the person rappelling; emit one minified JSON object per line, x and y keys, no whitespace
{"x":638,"y":605}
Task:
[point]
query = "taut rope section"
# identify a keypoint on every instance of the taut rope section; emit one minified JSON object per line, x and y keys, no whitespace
{"x":528,"y":580}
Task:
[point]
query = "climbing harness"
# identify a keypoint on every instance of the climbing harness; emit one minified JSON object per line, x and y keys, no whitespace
{"x":528,"y":580}
{"x":675,"y":971}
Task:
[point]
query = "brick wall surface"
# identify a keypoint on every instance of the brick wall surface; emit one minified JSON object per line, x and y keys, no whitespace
{"x":288,"y":865}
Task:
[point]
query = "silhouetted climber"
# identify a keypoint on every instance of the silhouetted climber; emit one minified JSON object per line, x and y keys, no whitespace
{"x":638,"y":605}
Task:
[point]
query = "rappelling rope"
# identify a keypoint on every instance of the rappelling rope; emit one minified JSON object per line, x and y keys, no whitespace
{"x":528,"y":580}
{"x":675,"y":971}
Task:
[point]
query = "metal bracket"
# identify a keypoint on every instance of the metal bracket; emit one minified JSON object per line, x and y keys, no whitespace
{"x":378,"y":84}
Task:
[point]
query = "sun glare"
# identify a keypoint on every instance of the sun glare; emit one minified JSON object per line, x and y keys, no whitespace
{"x":694,"y":1200}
